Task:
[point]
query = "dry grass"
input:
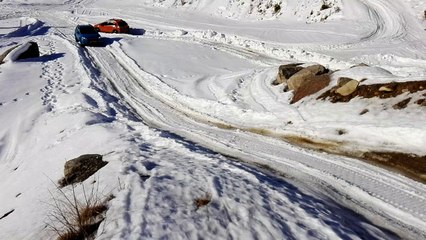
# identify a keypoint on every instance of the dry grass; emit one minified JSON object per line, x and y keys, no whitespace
{"x":73,"y":219}
{"x":202,"y":201}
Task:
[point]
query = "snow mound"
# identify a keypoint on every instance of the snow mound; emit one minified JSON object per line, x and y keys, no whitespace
{"x":28,"y":27}
{"x":16,"y":52}
{"x":304,"y":10}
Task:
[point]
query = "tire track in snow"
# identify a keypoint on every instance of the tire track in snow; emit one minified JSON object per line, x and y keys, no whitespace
{"x":245,"y":144}
{"x":151,"y":111}
{"x":332,"y":171}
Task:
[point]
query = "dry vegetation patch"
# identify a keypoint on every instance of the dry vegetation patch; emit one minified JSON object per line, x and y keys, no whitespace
{"x":202,"y":201}
{"x":74,"y":219}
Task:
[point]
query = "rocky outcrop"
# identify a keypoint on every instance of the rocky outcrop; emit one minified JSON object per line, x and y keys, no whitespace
{"x":20,"y":51}
{"x":314,"y":85}
{"x":305,"y":75}
{"x":380,"y":90}
{"x":304,"y":81}
{"x":31,"y":51}
{"x":81,"y":168}
{"x":285,"y":72}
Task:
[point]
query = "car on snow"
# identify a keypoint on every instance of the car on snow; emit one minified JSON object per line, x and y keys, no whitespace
{"x":86,"y":35}
{"x":113,"y":26}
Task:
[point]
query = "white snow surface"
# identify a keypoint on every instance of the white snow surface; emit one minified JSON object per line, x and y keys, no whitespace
{"x":170,"y":105}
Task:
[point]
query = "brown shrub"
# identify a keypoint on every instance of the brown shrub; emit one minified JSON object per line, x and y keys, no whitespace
{"x":202,"y":201}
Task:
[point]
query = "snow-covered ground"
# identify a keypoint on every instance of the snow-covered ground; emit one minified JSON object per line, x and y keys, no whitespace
{"x":181,"y":101}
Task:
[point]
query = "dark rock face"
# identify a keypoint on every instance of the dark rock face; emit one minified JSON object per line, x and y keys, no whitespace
{"x":31,"y":52}
{"x":81,"y":168}
{"x":315,"y":84}
{"x":286,"y":71}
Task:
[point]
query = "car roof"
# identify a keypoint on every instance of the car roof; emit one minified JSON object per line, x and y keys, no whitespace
{"x":116,"y":19}
{"x":84,"y":26}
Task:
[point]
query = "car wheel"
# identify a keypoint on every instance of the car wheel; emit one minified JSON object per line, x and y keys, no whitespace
{"x":114,"y":31}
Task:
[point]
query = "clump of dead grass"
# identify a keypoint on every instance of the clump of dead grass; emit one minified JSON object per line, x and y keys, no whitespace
{"x":202,"y":201}
{"x":74,"y":219}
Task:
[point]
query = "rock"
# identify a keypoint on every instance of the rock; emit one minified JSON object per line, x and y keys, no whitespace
{"x":304,"y":75}
{"x":421,"y":102}
{"x":388,"y":87}
{"x":348,"y":88}
{"x":402,"y":104}
{"x":5,"y":53}
{"x":360,"y":65}
{"x":314,"y":85}
{"x":32,"y":51}
{"x":81,"y":168}
{"x":286,"y":71}
{"x":385,"y":89}
{"x":343,"y":80}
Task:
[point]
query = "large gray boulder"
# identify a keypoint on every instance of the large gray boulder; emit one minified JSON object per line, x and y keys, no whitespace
{"x":286,"y":71}
{"x":304,"y":75}
{"x":81,"y":168}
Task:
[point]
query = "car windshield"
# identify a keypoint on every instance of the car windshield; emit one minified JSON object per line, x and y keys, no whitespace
{"x":122,"y":23}
{"x":87,"y":30}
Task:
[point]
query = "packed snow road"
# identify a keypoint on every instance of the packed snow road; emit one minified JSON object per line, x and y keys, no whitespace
{"x":261,"y":187}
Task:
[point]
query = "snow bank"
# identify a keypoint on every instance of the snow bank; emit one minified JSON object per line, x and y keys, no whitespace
{"x":28,"y":26}
{"x":16,"y":52}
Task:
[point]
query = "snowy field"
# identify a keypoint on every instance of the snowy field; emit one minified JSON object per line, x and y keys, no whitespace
{"x":179,"y":109}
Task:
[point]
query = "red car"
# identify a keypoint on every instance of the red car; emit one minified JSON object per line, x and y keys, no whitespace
{"x":113,"y":26}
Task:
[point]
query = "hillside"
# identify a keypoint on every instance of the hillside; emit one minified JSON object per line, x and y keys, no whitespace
{"x":214,"y":119}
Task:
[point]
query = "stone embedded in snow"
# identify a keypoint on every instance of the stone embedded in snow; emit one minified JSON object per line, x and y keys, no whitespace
{"x":348,"y":88}
{"x":31,"y":51}
{"x":286,"y":71}
{"x":81,"y":168}
{"x":22,"y":51}
{"x":385,"y":89}
{"x":5,"y":53}
{"x":389,"y":87}
{"x":343,"y":80}
{"x":402,"y":104}
{"x":304,"y":75}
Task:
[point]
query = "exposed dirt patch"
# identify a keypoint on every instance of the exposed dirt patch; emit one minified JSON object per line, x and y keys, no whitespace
{"x":321,"y":145}
{"x":411,"y":165}
{"x":383,"y":90}
{"x":202,"y":201}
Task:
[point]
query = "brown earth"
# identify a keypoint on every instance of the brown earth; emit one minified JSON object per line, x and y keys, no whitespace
{"x":383,"y":90}
{"x":410,"y":165}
